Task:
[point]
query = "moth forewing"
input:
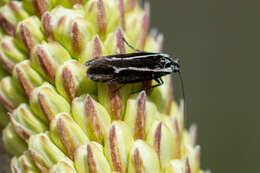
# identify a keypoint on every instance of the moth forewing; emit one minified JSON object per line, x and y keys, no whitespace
{"x":130,"y":68}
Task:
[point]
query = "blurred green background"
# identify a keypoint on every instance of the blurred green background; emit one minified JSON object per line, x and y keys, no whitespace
{"x":218,"y":43}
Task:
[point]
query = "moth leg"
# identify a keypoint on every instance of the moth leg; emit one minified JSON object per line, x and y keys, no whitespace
{"x":137,"y":50}
{"x":118,"y":88}
{"x":159,"y":83}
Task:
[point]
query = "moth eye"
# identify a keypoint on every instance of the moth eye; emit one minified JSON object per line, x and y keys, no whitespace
{"x":167,"y":65}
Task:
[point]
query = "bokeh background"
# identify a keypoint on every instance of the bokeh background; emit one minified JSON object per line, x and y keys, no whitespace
{"x":218,"y":43}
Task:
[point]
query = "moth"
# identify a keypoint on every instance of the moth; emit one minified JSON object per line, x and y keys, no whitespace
{"x":132,"y":68}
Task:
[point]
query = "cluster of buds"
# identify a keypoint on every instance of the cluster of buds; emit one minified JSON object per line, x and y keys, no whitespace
{"x":55,"y":119}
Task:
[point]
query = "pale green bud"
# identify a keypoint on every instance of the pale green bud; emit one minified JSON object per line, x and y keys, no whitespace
{"x":69,"y":28}
{"x":90,"y":158}
{"x":47,"y":57}
{"x":91,"y":116}
{"x":10,"y":96}
{"x":13,"y":144}
{"x":143,"y":158}
{"x":10,"y":15}
{"x":23,"y":164}
{"x":114,"y":43}
{"x":27,"y":77}
{"x":95,"y":49}
{"x":162,"y":96}
{"x":118,"y":143}
{"x":175,"y":166}
{"x":114,"y":102}
{"x":38,"y":6}
{"x":71,"y":80}
{"x":137,"y":25}
{"x":66,"y":134}
{"x":162,"y":140}
{"x":154,"y":42}
{"x":97,"y":12}
{"x":25,"y":122}
{"x":62,"y":167}
{"x":10,"y":54}
{"x":173,"y":125}
{"x":46,"y":103}
{"x":44,"y":153}
{"x":29,"y":32}
{"x":193,"y":154}
{"x":177,"y":112}
{"x":140,"y":115}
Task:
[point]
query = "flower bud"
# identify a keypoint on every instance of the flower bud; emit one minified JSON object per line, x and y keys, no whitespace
{"x":162,"y":140}
{"x":175,"y":166}
{"x":114,"y":102}
{"x":29,"y":33}
{"x":69,"y":28}
{"x":193,"y":154}
{"x":187,"y":167}
{"x":38,"y":6}
{"x":27,"y":77}
{"x":192,"y":135}
{"x":95,"y":49}
{"x":178,"y":112}
{"x":13,"y":144}
{"x":130,"y":5}
{"x":154,"y":42}
{"x":118,"y":143}
{"x":91,"y":116}
{"x":9,"y":54}
{"x":140,"y":114}
{"x":25,"y":122}
{"x":46,"y":103}
{"x":90,"y":158}
{"x":162,"y":96}
{"x":44,"y":153}
{"x":96,"y":13}
{"x":47,"y":57}
{"x":173,"y":125}
{"x":23,"y":164}
{"x":136,"y":29}
{"x":10,"y":15}
{"x":71,"y":80}
{"x":66,"y":134}
{"x":10,"y":96}
{"x":63,"y":167}
{"x":114,"y":42}
{"x":143,"y":158}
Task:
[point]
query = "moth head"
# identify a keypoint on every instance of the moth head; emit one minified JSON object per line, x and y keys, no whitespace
{"x":175,"y":65}
{"x":171,"y":63}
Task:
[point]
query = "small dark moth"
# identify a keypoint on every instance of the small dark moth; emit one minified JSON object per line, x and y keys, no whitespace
{"x":132,"y":68}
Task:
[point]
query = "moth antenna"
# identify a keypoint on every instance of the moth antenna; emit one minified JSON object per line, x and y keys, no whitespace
{"x":183,"y":95}
{"x":132,"y":47}
{"x":182,"y":84}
